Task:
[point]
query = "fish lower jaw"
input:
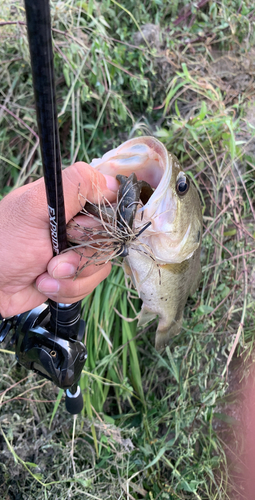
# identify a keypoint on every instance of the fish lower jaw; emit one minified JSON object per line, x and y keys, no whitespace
{"x":163,"y":255}
{"x":166,"y":249}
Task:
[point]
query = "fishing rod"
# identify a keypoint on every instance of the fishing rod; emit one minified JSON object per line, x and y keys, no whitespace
{"x":48,"y":339}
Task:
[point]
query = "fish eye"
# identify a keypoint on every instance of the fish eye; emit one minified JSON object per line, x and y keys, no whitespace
{"x":182,"y":186}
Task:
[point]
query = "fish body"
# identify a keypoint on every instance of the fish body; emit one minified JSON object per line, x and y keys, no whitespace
{"x":164,"y":263}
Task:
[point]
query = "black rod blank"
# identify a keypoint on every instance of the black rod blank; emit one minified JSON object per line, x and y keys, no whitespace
{"x":40,"y":44}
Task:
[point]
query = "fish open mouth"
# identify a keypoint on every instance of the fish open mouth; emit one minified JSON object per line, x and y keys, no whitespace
{"x":145,"y":156}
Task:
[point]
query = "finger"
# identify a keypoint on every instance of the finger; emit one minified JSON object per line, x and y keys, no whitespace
{"x":69,"y":264}
{"x":91,"y":184}
{"x":87,"y":221}
{"x":83,"y":228}
{"x":68,"y":291}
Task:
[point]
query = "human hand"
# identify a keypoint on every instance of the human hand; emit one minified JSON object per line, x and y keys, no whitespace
{"x":29,"y":274}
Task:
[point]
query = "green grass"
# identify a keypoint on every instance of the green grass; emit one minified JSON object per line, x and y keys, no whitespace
{"x":150,"y":426}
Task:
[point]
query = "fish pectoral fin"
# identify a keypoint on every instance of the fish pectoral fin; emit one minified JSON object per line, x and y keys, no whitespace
{"x":145,"y":316}
{"x":164,"y":334}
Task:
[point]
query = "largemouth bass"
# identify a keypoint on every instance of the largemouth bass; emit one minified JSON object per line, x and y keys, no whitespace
{"x":163,"y":261}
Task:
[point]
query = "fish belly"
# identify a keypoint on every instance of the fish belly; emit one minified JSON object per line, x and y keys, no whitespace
{"x":164,"y":290}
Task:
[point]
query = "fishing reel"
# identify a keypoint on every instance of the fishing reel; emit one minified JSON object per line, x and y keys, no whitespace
{"x":48,"y":340}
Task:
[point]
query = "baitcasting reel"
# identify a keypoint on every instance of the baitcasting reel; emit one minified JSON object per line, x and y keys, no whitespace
{"x":48,"y":340}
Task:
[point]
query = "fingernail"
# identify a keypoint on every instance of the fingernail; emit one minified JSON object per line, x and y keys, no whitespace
{"x":64,"y":270}
{"x":112,"y":183}
{"x":48,"y":286}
